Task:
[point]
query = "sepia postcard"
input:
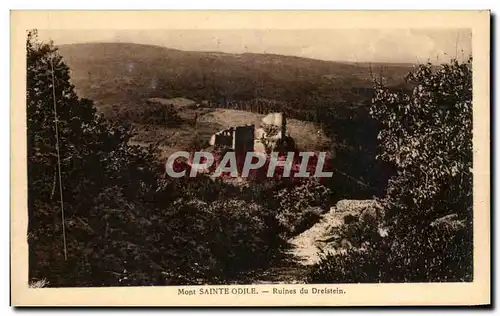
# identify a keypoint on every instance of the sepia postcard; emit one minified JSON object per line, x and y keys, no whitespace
{"x":250,"y":158}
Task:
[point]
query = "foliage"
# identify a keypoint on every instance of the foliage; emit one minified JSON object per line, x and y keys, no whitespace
{"x":428,"y":206}
{"x":165,"y":115}
{"x":358,"y":174}
{"x":93,"y":153}
{"x":428,"y":136}
{"x":195,"y":242}
{"x":300,"y":205}
{"x":360,"y":230}
{"x":95,"y":157}
{"x":422,"y":255}
{"x":38,"y":284}
{"x":123,"y":224}
{"x":198,"y":143}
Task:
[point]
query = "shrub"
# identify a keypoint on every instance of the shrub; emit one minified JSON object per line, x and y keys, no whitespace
{"x":299,"y":205}
{"x":360,"y":230}
{"x":247,"y":240}
{"x":194,"y":242}
{"x":421,"y":255}
{"x":305,"y":219}
{"x":160,"y":114}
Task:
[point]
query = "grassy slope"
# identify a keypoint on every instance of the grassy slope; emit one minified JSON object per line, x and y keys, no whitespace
{"x":306,"y":134}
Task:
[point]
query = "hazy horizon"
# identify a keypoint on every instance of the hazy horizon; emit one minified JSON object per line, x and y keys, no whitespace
{"x":346,"y":45}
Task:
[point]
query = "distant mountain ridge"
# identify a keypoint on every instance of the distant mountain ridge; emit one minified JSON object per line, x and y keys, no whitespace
{"x":124,"y":74}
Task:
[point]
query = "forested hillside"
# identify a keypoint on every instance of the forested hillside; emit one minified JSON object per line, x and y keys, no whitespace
{"x":119,"y":73}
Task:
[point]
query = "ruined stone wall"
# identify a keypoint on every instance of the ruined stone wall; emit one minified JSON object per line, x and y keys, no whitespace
{"x":224,"y":138}
{"x":238,"y":138}
{"x":244,"y":138}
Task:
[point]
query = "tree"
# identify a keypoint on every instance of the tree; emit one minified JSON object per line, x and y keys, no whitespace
{"x":125,"y":225}
{"x":359,"y":174}
{"x":428,"y":136}
{"x":93,"y":156}
{"x":427,"y":220}
{"x":93,"y":153}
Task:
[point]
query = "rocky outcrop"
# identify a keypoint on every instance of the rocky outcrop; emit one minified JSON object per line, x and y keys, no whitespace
{"x":275,"y":119}
{"x":357,"y":206}
{"x":449,"y":222}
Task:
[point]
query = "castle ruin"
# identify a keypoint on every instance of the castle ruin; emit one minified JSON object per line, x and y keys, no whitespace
{"x":245,"y":138}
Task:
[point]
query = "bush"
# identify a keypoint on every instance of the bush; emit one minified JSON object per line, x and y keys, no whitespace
{"x":247,"y":239}
{"x":305,"y":219}
{"x":194,"y":242}
{"x":189,"y":241}
{"x":299,"y":205}
{"x":421,"y":255}
{"x":160,"y":114}
{"x":360,"y":230}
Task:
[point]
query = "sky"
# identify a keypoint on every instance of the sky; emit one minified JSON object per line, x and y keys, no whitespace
{"x":350,"y":45}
